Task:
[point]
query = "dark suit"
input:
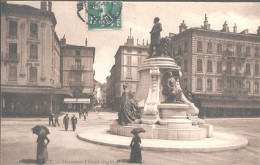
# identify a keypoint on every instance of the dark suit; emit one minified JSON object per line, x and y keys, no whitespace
{"x":155,"y":38}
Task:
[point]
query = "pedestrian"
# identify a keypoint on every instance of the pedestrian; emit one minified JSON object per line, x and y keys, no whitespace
{"x":56,"y":120}
{"x":51,"y":118}
{"x":66,"y":120}
{"x":80,"y":113}
{"x":74,"y":122}
{"x":135,"y":156}
{"x":42,"y":153}
{"x":85,"y":117}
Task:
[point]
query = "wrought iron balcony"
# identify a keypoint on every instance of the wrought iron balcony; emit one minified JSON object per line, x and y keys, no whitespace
{"x":77,"y":67}
{"x":76,"y":83}
{"x":11,"y":58}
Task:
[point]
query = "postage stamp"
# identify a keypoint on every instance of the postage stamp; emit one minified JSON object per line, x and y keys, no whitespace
{"x":104,"y":15}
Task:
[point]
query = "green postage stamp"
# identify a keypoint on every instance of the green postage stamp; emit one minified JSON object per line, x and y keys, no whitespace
{"x":104,"y":15}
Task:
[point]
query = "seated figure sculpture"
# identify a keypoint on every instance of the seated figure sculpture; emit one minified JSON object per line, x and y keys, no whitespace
{"x":171,"y":91}
{"x":129,"y":110}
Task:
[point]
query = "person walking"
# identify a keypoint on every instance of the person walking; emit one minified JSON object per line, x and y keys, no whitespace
{"x":51,"y":118}
{"x":85,"y":115}
{"x":135,"y":156}
{"x":74,"y":122}
{"x":66,"y":120}
{"x":56,"y":120}
{"x":42,"y":153}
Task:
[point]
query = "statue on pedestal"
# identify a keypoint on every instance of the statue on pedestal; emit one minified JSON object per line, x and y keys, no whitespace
{"x":129,"y":110}
{"x":155,"y":37}
{"x":171,"y":91}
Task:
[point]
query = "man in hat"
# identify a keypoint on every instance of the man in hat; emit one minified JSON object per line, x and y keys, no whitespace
{"x":66,"y":120}
{"x":155,"y":37}
{"x":74,"y":122}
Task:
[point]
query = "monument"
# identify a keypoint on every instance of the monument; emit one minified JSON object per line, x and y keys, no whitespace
{"x":165,"y":111}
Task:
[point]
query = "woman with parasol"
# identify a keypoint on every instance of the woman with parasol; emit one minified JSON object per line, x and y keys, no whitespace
{"x":136,"y":156}
{"x":42,"y":153}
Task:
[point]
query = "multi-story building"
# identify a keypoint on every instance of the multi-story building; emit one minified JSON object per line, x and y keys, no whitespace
{"x":30,"y":60}
{"x":220,"y":68}
{"x":125,"y":71}
{"x":77,"y":72}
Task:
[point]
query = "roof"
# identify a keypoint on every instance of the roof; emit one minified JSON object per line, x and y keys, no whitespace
{"x":28,"y":10}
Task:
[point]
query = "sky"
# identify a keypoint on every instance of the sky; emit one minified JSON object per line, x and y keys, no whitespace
{"x":139,"y":16}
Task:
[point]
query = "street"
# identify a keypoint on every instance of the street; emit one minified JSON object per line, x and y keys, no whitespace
{"x":19,"y":144}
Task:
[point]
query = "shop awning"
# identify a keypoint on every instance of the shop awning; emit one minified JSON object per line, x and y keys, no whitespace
{"x":76,"y":100}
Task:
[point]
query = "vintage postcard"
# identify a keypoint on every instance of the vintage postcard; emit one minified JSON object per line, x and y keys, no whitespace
{"x":130,"y":82}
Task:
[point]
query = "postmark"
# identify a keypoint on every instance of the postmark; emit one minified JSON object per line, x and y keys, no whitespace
{"x":104,"y":15}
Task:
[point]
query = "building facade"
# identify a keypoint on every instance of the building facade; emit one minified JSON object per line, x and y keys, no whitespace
{"x":220,"y":68}
{"x":77,"y":73}
{"x":30,"y":60}
{"x":125,"y":71}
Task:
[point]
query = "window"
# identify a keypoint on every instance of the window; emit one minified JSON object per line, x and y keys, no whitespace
{"x":33,"y":52}
{"x":219,"y":67}
{"x":229,"y":46}
{"x":229,"y":84}
{"x":12,"y":73}
{"x":219,"y":48}
{"x":257,"y":69}
{"x":248,"y":51}
{"x":33,"y":74}
{"x":209,"y":84}
{"x":12,"y":50}
{"x":248,"y":71}
{"x":139,"y":52}
{"x":256,"y":87}
{"x":77,"y":52}
{"x":219,"y":84}
{"x":129,"y":51}
{"x":77,"y":63}
{"x":199,"y":83}
{"x":199,"y":65}
{"x":229,"y":67}
{"x":128,"y":73}
{"x":239,"y":50}
{"x":239,"y":84}
{"x":129,"y":60}
{"x":139,"y":60}
{"x":33,"y":30}
{"x":199,"y":46}
{"x":185,"y":47}
{"x":209,"y":66}
{"x":185,"y":83}
{"x":209,"y":48}
{"x":12,"y":28}
{"x":179,"y":50}
{"x":248,"y":86}
{"x":257,"y":52}
{"x":185,"y":66}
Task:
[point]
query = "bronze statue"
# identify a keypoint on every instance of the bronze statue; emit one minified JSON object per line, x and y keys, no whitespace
{"x":171,"y":91}
{"x":155,"y":37}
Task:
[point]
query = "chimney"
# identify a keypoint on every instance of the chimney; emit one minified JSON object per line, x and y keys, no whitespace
{"x":258,"y":31}
{"x":147,"y":42}
{"x":130,"y":39}
{"x":63,"y":41}
{"x":50,"y":6}
{"x":43,"y":5}
{"x":137,"y":42}
{"x":235,"y":29}
{"x":143,"y":41}
{"x":182,"y":27}
{"x":206,"y":25}
{"x":225,"y":27}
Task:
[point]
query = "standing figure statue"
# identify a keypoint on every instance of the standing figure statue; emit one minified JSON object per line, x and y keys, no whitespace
{"x":155,"y":37}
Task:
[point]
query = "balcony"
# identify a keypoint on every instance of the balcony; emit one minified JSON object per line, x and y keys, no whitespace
{"x":76,"y":83}
{"x":77,"y":67}
{"x":11,"y":58}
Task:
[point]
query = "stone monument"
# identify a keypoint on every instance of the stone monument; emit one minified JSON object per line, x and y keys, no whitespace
{"x":165,"y":111}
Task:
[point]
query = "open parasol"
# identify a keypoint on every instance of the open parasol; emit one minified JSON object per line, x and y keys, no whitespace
{"x":40,"y":130}
{"x":137,"y":130}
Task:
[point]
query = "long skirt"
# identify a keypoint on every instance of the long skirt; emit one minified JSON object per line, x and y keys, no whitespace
{"x":135,"y":156}
{"x":42,"y":153}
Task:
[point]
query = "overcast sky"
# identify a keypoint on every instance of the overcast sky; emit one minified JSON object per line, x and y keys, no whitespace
{"x":139,"y":16}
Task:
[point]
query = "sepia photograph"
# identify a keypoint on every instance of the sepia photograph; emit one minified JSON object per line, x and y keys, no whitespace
{"x":130,"y":82}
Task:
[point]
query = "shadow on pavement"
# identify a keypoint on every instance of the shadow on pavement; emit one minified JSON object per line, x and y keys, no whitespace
{"x":122,"y":161}
{"x":28,"y":161}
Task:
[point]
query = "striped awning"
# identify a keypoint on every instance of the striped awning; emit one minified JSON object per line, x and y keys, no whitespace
{"x":76,"y":100}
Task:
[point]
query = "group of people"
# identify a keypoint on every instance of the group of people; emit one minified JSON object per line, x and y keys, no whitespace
{"x":53,"y":119}
{"x":66,"y":121}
